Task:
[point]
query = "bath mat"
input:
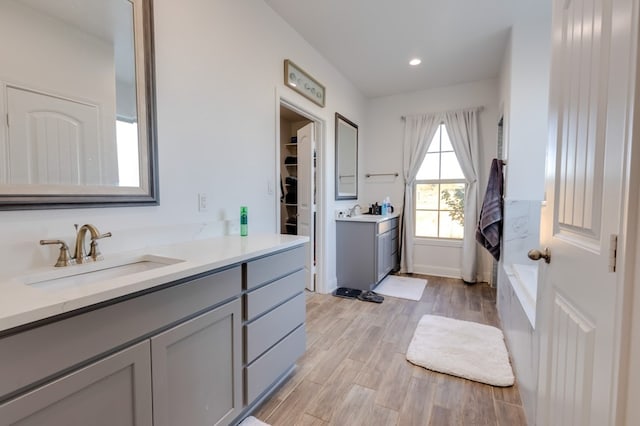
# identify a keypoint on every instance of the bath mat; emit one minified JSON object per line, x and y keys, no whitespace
{"x":402,"y":287}
{"x":461,"y":348}
{"x":252,"y":421}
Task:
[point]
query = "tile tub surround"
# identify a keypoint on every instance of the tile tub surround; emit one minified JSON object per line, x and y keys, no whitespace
{"x":22,"y":304}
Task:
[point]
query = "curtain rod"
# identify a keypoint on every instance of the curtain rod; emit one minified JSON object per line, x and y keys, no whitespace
{"x":478,"y":108}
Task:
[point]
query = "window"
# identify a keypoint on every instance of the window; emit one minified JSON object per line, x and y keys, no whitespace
{"x":127,"y":146}
{"x":440,"y":187}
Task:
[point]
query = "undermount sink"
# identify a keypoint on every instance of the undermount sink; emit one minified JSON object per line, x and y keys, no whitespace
{"x":83,"y":274}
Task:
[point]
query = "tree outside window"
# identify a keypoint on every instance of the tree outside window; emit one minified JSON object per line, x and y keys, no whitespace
{"x":440,"y":188}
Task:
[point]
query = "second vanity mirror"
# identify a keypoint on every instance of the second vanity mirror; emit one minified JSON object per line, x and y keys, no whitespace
{"x":346,"y":159}
{"x":77,"y":91}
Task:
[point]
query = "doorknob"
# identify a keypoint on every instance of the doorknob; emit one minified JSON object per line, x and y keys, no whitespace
{"x":537,"y":255}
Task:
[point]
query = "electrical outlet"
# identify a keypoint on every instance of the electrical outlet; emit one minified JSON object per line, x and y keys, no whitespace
{"x":203,"y":204}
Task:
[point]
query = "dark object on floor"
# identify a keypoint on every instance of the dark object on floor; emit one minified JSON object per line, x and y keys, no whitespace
{"x":370,"y":296}
{"x":347,"y":293}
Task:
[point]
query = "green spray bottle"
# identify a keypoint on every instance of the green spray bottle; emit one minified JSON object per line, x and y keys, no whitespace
{"x":244,"y":221}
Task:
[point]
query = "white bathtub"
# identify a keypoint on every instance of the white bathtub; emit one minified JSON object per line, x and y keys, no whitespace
{"x":524,"y":280}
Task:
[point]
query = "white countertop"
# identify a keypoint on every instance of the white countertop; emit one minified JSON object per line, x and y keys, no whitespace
{"x":374,"y":218}
{"x":21,"y":303}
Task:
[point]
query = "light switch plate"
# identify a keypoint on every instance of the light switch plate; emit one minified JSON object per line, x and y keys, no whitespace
{"x":203,"y":204}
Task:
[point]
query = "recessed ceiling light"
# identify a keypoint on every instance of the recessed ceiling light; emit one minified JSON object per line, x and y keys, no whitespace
{"x":415,"y":61}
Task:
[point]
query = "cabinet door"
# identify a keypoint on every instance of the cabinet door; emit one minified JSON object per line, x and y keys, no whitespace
{"x":197,"y":370}
{"x":383,"y":255}
{"x":115,"y":391}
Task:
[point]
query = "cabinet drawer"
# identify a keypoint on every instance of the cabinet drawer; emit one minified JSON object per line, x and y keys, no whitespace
{"x":271,"y":267}
{"x":268,"y":329}
{"x":387,"y":225}
{"x":43,"y":351}
{"x":266,"y":297}
{"x":270,"y":366}
{"x":394,"y":222}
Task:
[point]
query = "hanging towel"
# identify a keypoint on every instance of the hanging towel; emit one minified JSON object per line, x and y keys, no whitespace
{"x":489,"y":231}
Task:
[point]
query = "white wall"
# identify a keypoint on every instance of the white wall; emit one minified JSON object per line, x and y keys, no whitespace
{"x":526,"y":99}
{"x":218,"y":66}
{"x":383,"y":154}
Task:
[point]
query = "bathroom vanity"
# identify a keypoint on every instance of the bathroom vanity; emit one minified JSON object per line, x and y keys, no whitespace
{"x":198,"y":341}
{"x":366,"y":249}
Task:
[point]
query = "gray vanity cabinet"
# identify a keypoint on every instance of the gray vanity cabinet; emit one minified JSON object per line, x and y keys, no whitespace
{"x":197,"y":370}
{"x":114,"y":391}
{"x":203,"y":350}
{"x":366,"y":251}
{"x":182,"y":352}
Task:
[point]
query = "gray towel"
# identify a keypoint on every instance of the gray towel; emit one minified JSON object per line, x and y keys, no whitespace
{"x":489,"y":231}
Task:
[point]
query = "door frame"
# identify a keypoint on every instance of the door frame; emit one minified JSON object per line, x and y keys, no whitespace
{"x":283,"y":100}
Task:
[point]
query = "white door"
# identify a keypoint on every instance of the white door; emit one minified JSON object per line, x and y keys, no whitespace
{"x":53,"y":140}
{"x":306,"y":205}
{"x":579,"y":297}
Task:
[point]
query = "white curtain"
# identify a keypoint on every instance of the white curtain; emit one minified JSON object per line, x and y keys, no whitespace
{"x":463,"y":132}
{"x":418,"y":133}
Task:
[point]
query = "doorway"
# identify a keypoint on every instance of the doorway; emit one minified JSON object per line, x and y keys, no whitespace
{"x":298,"y":136}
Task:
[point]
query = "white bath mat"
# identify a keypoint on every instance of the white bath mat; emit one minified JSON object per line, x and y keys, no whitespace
{"x":252,"y":421}
{"x":461,"y":348}
{"x":402,"y":287}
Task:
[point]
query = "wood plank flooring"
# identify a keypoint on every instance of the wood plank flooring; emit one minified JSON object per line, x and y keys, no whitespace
{"x":355,"y":371}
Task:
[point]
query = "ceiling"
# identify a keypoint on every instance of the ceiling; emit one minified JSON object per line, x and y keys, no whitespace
{"x":371,"y":41}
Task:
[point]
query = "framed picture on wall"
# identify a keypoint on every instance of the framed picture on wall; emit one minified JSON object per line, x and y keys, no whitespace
{"x":303,"y":83}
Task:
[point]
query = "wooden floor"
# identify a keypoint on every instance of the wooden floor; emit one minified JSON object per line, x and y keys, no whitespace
{"x":355,"y":372}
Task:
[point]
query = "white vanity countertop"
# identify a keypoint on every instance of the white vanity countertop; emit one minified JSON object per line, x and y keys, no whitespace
{"x":21,"y":303}
{"x":368,"y":218}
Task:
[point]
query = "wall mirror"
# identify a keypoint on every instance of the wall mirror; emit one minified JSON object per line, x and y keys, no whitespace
{"x":77,"y":90}
{"x":346,"y":159}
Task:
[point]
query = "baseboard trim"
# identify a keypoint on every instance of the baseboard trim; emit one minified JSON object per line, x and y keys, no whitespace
{"x":438,"y":271}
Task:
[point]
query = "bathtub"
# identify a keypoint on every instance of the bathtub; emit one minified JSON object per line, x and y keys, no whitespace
{"x":517,"y":290}
{"x":524,"y":281}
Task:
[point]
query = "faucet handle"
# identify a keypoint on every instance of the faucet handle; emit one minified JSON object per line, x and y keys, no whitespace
{"x":64,"y":259}
{"x":94,"y":252}
{"x":101,"y":236}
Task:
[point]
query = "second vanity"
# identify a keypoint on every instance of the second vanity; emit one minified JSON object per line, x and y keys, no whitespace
{"x":199,"y":340}
{"x":366,"y":249}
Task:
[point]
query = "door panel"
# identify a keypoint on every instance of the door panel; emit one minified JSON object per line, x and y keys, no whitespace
{"x":114,"y":391}
{"x":57,"y":141}
{"x":582,"y":114}
{"x":591,"y":74}
{"x":306,"y":183}
{"x":197,"y":368}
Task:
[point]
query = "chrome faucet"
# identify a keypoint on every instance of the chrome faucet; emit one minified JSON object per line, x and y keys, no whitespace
{"x":80,"y":255}
{"x":354,"y":209}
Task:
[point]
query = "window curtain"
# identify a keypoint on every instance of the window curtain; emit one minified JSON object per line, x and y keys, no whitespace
{"x":462,"y":127}
{"x":418,"y":133}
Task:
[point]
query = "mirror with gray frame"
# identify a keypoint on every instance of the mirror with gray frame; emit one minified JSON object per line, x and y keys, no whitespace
{"x":77,"y":90}
{"x":346,"y":159}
